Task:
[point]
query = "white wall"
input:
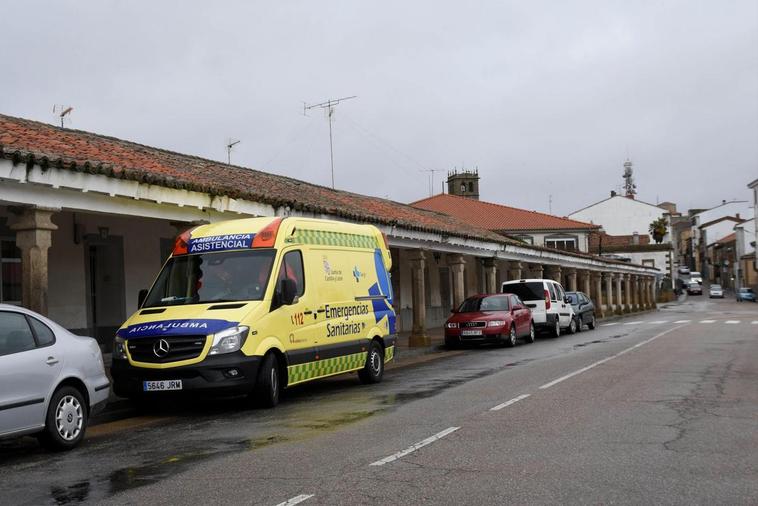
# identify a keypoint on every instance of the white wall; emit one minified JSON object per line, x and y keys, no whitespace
{"x":622,"y":216}
{"x":67,"y":302}
{"x":717,"y":231}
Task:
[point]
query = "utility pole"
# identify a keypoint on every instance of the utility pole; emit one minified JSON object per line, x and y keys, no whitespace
{"x":229,"y":145}
{"x":329,"y":107}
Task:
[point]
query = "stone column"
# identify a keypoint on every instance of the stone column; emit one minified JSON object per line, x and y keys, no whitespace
{"x":629,"y":306}
{"x":653,"y":301}
{"x":587,"y":282}
{"x":637,"y":284}
{"x":490,"y":275}
{"x":34,"y":236}
{"x":418,"y":336}
{"x":572,"y":284}
{"x":553,"y":272}
{"x":619,"y":298}
{"x":515,"y":270}
{"x":598,"y":299}
{"x":457,"y":265}
{"x":609,"y":293}
{"x":537,"y":270}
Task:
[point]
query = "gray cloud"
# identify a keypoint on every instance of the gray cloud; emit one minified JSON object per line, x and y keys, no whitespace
{"x":544,"y":97}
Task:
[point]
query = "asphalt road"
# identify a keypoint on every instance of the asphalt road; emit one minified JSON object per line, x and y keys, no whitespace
{"x":660,"y":408}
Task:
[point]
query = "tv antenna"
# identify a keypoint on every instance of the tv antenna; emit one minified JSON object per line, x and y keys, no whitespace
{"x":62,"y":111}
{"x":328,"y":106}
{"x":229,"y":145}
{"x":431,"y":179}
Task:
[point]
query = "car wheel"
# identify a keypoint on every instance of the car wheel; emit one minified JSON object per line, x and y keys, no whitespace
{"x":452,"y":342}
{"x":591,"y":325}
{"x":532,"y":333}
{"x":66,"y":420}
{"x":579,"y":324}
{"x":556,"y":332}
{"x":267,"y":387}
{"x":572,"y":326}
{"x":373,"y":371}
{"x":511,"y":340}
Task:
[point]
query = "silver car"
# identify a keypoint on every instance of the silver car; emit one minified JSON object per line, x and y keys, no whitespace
{"x":51,"y":380}
{"x":716,"y":291}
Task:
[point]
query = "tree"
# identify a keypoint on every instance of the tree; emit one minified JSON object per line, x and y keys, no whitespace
{"x":658,"y":229}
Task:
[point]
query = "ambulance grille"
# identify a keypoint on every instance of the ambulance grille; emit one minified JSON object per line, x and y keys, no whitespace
{"x":179,"y":348}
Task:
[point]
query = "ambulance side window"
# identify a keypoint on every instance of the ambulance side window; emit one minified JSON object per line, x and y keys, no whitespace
{"x":292,"y":268}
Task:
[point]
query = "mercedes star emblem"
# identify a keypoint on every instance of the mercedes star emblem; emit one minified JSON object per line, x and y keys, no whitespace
{"x":161,"y":348}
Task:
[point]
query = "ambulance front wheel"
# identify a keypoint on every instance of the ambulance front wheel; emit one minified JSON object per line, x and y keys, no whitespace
{"x":267,"y":387}
{"x":373,"y":371}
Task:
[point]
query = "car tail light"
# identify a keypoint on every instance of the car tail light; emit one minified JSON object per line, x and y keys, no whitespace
{"x":181,"y":242}
{"x":267,"y":237}
{"x":547,"y":299}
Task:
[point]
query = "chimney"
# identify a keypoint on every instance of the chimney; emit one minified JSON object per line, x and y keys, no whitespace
{"x":613,"y":193}
{"x":635,"y":238}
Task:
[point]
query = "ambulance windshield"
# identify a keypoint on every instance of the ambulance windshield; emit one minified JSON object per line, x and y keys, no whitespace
{"x":212,"y":277}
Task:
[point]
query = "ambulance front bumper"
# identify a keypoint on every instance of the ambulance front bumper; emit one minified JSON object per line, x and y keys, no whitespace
{"x":228,"y":374}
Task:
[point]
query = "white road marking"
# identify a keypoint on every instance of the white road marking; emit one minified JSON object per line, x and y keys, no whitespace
{"x":658,"y":322}
{"x":413,"y":448}
{"x":754,"y":322}
{"x":610,"y":324}
{"x":732,"y":322}
{"x":632,"y":323}
{"x":682,"y":321}
{"x":606,"y":359}
{"x":707,"y":321}
{"x":295,"y":500}
{"x":508,"y":403}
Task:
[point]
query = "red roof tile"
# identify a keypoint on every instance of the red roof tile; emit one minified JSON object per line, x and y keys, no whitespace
{"x":31,"y":142}
{"x":497,"y":216}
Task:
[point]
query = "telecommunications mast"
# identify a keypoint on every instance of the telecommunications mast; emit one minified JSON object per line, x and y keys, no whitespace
{"x":630,"y":189}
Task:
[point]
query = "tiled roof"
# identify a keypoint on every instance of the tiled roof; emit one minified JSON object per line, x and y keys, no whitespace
{"x":30,"y":142}
{"x":730,"y":238}
{"x":497,"y":216}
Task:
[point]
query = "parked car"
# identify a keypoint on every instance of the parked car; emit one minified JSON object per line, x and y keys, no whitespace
{"x":584,"y":310}
{"x":51,"y":380}
{"x":715,"y":291}
{"x":501,"y":318}
{"x":696,"y":277}
{"x":683,"y":270}
{"x":745,"y":294}
{"x":694,"y":288}
{"x":551,"y":310}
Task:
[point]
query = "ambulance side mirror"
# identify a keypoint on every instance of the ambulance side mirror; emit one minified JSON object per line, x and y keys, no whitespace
{"x":287,"y":292}
{"x":141,"y":296}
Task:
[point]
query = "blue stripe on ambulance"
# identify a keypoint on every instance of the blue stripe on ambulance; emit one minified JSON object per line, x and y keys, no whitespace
{"x":175,"y":328}
{"x":382,"y":307}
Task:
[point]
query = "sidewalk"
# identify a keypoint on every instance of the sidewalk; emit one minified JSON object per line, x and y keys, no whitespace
{"x":406,"y":355}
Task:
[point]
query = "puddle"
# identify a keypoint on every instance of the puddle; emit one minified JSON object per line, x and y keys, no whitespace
{"x":73,"y":494}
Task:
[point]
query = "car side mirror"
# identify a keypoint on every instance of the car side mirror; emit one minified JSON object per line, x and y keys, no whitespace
{"x":141,"y":296}
{"x":287,"y":292}
{"x":567,"y":299}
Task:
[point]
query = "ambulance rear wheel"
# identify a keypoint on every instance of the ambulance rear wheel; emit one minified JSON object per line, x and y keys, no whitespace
{"x":268,"y":387}
{"x":373,"y":371}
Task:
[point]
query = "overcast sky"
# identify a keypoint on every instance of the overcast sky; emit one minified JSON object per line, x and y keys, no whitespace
{"x":545,"y":98}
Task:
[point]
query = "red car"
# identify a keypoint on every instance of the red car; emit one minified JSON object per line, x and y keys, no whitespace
{"x":500,"y":318}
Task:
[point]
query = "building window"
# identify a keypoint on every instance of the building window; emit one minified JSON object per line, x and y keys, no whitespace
{"x":564,"y":243}
{"x":471,"y":187}
{"x":10,"y":272}
{"x":524,"y":238}
{"x":648,"y":263}
{"x":463,"y":187}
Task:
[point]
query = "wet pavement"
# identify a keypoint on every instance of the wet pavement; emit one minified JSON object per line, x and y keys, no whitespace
{"x":181,"y":437}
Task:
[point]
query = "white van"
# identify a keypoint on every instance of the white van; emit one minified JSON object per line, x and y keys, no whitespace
{"x":546,"y":298}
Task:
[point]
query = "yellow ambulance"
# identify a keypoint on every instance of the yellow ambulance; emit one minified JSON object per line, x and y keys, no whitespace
{"x":255,"y":305}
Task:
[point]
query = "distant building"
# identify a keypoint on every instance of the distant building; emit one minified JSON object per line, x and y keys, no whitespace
{"x":745,"y":272}
{"x":754,"y":186}
{"x":531,"y":227}
{"x":712,"y":224}
{"x":463,"y":184}
{"x":625,"y":223}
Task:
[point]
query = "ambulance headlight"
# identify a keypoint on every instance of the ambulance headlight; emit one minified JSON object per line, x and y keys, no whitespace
{"x":229,"y":340}
{"x":119,"y":348}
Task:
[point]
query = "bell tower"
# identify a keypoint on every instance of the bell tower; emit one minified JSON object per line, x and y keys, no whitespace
{"x":464,"y":183}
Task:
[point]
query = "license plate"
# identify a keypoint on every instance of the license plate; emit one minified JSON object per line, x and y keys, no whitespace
{"x":161,"y":386}
{"x":471,"y":332}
